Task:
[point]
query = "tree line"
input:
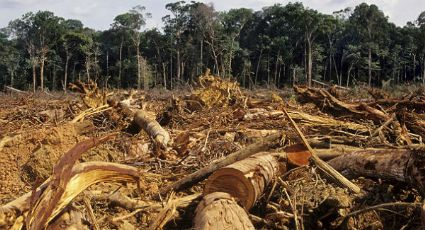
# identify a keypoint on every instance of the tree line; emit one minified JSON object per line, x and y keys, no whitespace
{"x":276,"y":46}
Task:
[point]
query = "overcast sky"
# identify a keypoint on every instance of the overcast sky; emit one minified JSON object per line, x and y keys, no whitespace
{"x":98,"y":14}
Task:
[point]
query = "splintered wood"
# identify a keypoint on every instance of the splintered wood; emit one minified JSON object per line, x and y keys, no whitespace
{"x":215,"y":157}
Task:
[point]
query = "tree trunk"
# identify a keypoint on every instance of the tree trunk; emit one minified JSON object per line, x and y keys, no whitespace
{"x":171,"y":70}
{"x":349,"y":73}
{"x":338,"y":76}
{"x":369,"y":64}
{"x":145,"y":76}
{"x":34,"y":76}
{"x":221,"y":211}
{"x":178,"y":64}
{"x":12,"y":76}
{"x":107,"y":62}
{"x":164,"y":75}
{"x":202,"y":57}
{"x":414,"y":67}
{"x":120,"y":64}
{"x":276,"y":66}
{"x":310,"y":61}
{"x":182,"y":69}
{"x":139,"y":70}
{"x":88,"y":67}
{"x":54,"y":78}
{"x":423,"y":77}
{"x":42,"y":73}
{"x":258,"y":67}
{"x":65,"y":76}
{"x":330,"y":60}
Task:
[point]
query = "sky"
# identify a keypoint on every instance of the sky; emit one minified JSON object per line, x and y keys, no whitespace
{"x":99,"y":14}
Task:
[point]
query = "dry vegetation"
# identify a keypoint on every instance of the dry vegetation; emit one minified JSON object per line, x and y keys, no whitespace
{"x":138,"y":160}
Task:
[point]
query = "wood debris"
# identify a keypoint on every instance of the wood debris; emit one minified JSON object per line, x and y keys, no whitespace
{"x":213,"y":157}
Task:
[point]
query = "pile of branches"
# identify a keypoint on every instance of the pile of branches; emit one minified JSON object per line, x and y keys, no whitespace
{"x":221,"y":159}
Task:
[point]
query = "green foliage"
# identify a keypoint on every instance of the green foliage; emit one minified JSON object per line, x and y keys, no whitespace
{"x":278,"y":45}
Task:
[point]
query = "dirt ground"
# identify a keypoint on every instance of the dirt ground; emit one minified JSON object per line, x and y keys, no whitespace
{"x":205,"y":124}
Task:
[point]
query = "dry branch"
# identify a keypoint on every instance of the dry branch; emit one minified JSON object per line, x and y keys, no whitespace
{"x":13,"y":90}
{"x":201,"y":174}
{"x":320,"y":163}
{"x":220,"y":211}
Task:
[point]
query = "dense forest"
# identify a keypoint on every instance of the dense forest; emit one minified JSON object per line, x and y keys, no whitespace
{"x":274,"y":47}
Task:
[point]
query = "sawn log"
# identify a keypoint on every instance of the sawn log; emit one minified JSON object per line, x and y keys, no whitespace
{"x":220,"y":211}
{"x":202,"y":173}
{"x":246,"y":180}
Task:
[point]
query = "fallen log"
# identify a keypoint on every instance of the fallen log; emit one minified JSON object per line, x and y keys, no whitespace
{"x":13,"y":90}
{"x":246,"y":180}
{"x":403,"y":165}
{"x":220,"y":211}
{"x":152,"y":127}
{"x":202,"y":173}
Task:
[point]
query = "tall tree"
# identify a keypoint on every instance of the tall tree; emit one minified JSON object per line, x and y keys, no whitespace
{"x":132,"y":22}
{"x":369,"y":23}
{"x":40,"y":32}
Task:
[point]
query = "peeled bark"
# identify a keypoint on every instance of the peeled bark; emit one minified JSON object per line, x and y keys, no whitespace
{"x":220,"y":211}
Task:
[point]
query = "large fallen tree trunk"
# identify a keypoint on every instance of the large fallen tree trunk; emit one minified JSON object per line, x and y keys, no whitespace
{"x":201,"y":174}
{"x":220,"y":211}
{"x":246,"y":179}
{"x":395,"y":164}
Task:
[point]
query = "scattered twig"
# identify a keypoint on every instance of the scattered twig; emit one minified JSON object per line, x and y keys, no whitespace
{"x":320,"y":163}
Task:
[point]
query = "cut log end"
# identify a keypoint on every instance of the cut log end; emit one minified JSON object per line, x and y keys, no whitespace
{"x":220,"y":211}
{"x":234,"y":182}
{"x":245,"y":180}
